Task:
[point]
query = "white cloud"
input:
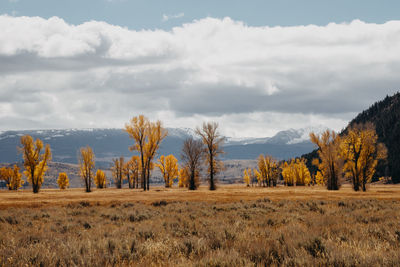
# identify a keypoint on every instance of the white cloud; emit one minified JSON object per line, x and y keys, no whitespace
{"x":254,"y":81}
{"x":176,"y":16}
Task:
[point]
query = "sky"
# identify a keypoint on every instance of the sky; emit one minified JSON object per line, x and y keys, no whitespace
{"x":255,"y":67}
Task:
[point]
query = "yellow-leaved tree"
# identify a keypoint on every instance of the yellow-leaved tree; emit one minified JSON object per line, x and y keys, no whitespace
{"x":318,"y":178}
{"x":132,"y":170}
{"x":246,"y":177}
{"x":35,"y":162}
{"x":148,"y":137}
{"x":63,"y":181}
{"x":169,"y":169}
{"x":183,"y":179}
{"x":86,"y":166}
{"x":288,"y":173}
{"x":302,"y":174}
{"x":137,"y":130}
{"x":361,"y":151}
{"x":100,"y":179}
{"x":330,"y":164}
{"x":267,"y":173}
{"x":296,"y":173}
{"x":155,"y":134}
{"x":213,"y":149}
{"x":118,"y":171}
{"x":12,"y":177}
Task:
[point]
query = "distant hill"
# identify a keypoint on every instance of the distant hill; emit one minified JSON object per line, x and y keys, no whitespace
{"x":385,"y":115}
{"x":111,"y":143}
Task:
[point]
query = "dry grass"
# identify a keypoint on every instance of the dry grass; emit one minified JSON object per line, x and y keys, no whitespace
{"x":225,"y":193}
{"x":233,"y":226}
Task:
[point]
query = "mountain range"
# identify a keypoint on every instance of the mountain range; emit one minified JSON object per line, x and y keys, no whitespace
{"x":111,"y":143}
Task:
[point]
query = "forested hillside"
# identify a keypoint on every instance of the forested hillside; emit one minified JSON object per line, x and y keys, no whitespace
{"x":385,"y":115}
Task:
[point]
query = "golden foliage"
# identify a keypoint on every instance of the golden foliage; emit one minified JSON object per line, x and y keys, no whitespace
{"x":247,"y":176}
{"x":118,"y":171}
{"x":361,"y":151}
{"x":35,"y":162}
{"x":63,"y":181}
{"x":288,"y":173}
{"x":148,"y":137}
{"x":132,"y":170}
{"x":184,"y":177}
{"x":331,"y":165}
{"x":100,"y":179}
{"x":12,"y":177}
{"x":86,"y":166}
{"x":267,"y":173}
{"x":169,"y":169}
{"x":213,"y":141}
{"x":155,"y":134}
{"x":296,"y":173}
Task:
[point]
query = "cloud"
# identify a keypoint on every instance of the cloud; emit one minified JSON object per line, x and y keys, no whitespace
{"x":254,"y":81}
{"x":169,"y":17}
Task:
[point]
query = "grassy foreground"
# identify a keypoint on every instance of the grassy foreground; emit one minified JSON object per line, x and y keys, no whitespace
{"x":233,"y":226}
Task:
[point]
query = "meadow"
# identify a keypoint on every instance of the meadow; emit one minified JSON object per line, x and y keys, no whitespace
{"x":232,"y":226}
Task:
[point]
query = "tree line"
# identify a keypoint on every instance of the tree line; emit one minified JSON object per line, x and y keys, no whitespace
{"x":147,"y":137}
{"x":354,"y":156}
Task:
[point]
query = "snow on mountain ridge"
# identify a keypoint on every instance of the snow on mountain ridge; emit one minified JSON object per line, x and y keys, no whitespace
{"x":290,"y":136}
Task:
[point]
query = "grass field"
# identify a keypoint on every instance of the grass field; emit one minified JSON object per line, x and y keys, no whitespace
{"x":233,"y":226}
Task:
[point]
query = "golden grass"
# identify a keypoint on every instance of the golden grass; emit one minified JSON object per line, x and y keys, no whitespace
{"x":224,"y":194}
{"x":233,"y":226}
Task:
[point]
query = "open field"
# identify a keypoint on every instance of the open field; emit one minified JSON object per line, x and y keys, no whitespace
{"x":225,"y":193}
{"x":233,"y":226}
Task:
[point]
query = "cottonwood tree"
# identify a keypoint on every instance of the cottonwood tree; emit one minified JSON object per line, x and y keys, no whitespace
{"x":118,"y":171}
{"x":35,"y":162}
{"x":361,"y":151}
{"x":169,"y":169}
{"x":100,"y":179}
{"x":253,"y":176}
{"x":132,"y":170}
{"x":148,"y":137}
{"x":288,"y":173}
{"x":86,"y":166}
{"x":213,"y":149}
{"x":63,"y":181}
{"x":184,"y":177}
{"x":267,"y":173}
{"x":155,"y":134}
{"x":12,"y":177}
{"x":318,"y":178}
{"x":6,"y":175}
{"x":191,"y":155}
{"x":246,"y":177}
{"x":296,"y":173}
{"x":330,"y":164}
{"x":137,"y":130}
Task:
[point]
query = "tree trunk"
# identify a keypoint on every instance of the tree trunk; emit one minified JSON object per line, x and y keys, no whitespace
{"x":35,"y":188}
{"x":192,"y":184}
{"x":143,"y":178}
{"x":212,"y":185}
{"x":148,"y":179}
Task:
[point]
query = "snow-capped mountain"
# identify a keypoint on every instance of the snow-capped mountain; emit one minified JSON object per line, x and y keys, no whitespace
{"x":111,"y":143}
{"x":289,"y":137}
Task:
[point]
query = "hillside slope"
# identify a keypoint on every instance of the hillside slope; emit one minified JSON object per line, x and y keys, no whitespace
{"x":385,"y":115}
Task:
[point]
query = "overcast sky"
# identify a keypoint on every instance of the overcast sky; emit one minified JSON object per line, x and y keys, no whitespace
{"x":256,"y":67}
